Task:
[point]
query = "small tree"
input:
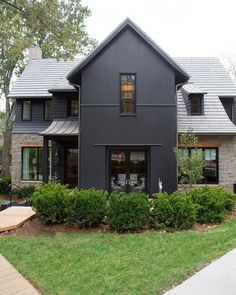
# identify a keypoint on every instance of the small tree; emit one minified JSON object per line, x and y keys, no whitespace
{"x":190,"y":164}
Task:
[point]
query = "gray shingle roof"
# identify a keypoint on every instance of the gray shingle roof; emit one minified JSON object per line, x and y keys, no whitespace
{"x":40,"y":75}
{"x":62,"y":128}
{"x":209,"y":75}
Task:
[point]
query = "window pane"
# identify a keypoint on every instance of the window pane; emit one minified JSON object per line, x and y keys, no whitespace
{"x":48,"y":110}
{"x":127,"y":93}
{"x":40,"y":163}
{"x":74,"y":107}
{"x":26,"y":111}
{"x":32,"y":163}
{"x":196,"y":106}
{"x":29,"y":164}
{"x":210,"y":169}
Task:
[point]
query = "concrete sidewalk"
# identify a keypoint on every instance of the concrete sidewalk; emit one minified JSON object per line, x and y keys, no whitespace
{"x":12,"y":282}
{"x":216,"y":279}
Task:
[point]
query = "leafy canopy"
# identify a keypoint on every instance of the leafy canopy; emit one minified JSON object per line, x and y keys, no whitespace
{"x":57,"y":26}
{"x":191,"y":165}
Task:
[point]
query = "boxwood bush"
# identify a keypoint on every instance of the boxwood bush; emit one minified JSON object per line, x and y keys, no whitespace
{"x":173,"y":212}
{"x":128,"y":212}
{"x":5,"y":185}
{"x":86,"y":207}
{"x":213,"y":203}
{"x":49,"y":202}
{"x":24,"y":192}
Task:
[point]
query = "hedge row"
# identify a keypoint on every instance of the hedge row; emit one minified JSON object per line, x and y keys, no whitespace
{"x":55,"y":203}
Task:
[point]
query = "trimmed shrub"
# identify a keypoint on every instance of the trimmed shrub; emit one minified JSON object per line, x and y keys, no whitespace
{"x":5,"y":185}
{"x":213,"y":203}
{"x":24,"y":192}
{"x":173,"y":212}
{"x":49,"y":201}
{"x":86,"y":207}
{"x":128,"y":212}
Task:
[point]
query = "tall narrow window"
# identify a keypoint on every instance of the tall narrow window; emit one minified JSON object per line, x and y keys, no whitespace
{"x":73,"y":107}
{"x":128,"y":93}
{"x":48,"y":110}
{"x":26,"y":110}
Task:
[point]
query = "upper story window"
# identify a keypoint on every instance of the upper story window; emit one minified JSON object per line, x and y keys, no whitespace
{"x":128,"y":93}
{"x":73,"y":107}
{"x":26,"y":110}
{"x":48,"y":110}
{"x":196,"y":107}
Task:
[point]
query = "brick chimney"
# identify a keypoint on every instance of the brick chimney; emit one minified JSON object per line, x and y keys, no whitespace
{"x":35,"y":52}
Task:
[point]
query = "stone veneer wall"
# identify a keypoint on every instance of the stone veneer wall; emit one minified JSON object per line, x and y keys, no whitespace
{"x":226,"y":156}
{"x":19,"y":141}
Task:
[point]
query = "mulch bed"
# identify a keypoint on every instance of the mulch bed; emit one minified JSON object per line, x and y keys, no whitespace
{"x":34,"y":227}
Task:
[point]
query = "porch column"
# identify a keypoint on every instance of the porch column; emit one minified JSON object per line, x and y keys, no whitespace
{"x":45,"y":159}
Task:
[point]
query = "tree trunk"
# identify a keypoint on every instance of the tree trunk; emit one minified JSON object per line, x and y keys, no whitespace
{"x":6,"y":149}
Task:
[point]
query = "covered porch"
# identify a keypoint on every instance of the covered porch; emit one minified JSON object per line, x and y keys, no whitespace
{"x":60,"y":152}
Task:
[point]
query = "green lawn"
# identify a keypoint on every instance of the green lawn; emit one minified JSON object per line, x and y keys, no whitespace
{"x":99,"y":263}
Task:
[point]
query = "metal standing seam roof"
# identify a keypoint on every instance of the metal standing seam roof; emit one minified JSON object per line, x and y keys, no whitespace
{"x":192,"y":89}
{"x":41,"y":75}
{"x":209,"y":75}
{"x":62,"y":128}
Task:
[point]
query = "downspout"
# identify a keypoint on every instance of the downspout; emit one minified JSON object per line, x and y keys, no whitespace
{"x":78,"y":87}
{"x":177,"y":87}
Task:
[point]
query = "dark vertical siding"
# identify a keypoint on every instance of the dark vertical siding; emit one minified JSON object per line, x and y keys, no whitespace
{"x":154,"y":125}
{"x":37,"y":123}
{"x":59,"y":104}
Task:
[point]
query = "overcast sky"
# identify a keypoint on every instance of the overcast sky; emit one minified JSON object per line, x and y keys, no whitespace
{"x":180,"y":27}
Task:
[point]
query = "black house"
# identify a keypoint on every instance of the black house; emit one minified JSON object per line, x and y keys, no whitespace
{"x":109,"y":121}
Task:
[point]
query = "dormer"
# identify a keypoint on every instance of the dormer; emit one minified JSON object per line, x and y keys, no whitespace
{"x":228,"y":103}
{"x":194,"y":99}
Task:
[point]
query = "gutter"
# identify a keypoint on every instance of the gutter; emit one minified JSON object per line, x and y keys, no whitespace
{"x":78,"y":87}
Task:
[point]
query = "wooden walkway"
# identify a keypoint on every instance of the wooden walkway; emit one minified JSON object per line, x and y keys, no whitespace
{"x":12,"y":282}
{"x":14,"y":217}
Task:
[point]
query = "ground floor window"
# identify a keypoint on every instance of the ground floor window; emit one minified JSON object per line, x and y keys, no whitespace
{"x":32,"y":163}
{"x":210,"y":171}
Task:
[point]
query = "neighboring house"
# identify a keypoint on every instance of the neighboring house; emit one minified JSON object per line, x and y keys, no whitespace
{"x":110,"y":120}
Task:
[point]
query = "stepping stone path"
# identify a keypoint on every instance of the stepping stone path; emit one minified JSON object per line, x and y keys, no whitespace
{"x":14,"y":217}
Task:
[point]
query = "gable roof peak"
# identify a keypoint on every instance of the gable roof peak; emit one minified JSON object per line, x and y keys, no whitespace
{"x":180,"y":72}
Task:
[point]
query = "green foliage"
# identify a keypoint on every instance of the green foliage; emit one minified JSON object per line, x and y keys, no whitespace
{"x":190,"y":164}
{"x":173,"y":211}
{"x":49,"y":202}
{"x":128,"y":212}
{"x":86,"y":207}
{"x":24,"y":192}
{"x":5,"y":185}
{"x":213,"y":203}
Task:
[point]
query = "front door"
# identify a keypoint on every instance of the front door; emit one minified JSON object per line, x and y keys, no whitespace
{"x":71,"y":167}
{"x":128,"y":170}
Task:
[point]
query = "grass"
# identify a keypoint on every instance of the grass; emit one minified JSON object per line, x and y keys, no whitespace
{"x":98,"y":263}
